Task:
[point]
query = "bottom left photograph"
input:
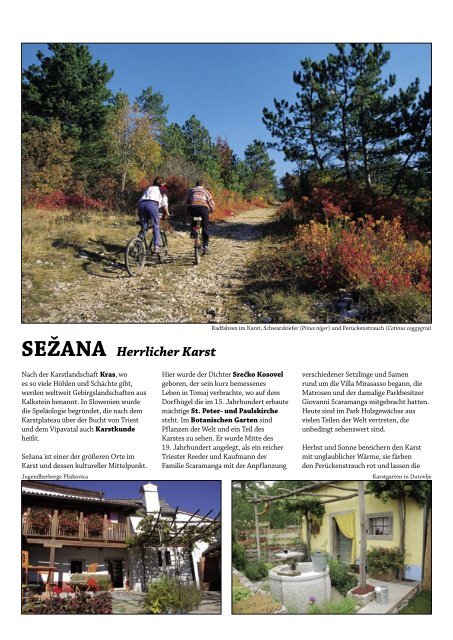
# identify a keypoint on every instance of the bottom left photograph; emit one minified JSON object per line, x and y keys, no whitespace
{"x":121,"y":547}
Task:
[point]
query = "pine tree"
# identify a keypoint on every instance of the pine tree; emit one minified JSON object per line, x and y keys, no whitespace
{"x":151,"y":104}
{"x":68,"y":87}
{"x":346,"y":119}
{"x":260,"y":168}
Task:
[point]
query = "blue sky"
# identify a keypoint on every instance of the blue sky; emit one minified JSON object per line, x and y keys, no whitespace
{"x":188,"y":495}
{"x":227,"y":85}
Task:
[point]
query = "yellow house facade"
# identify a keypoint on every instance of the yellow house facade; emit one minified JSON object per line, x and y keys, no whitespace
{"x":339,"y":532}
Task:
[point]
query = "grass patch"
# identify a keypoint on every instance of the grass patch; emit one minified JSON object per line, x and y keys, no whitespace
{"x":345,"y":606}
{"x":256,"y":604}
{"x":421,"y":604}
{"x":59,"y":248}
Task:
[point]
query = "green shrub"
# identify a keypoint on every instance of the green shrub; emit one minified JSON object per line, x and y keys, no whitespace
{"x":104,"y":582}
{"x":342,"y":577}
{"x":384,"y":559}
{"x":78,"y":578}
{"x":241,"y":593}
{"x":257,"y":571}
{"x":334,"y":607}
{"x":238,"y":556}
{"x":169,"y":595}
{"x":257,"y":603}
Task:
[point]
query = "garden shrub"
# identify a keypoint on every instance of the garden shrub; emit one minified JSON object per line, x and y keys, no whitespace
{"x":344,"y":606}
{"x":384,"y":559}
{"x":104,"y":583}
{"x":241,"y":593}
{"x":258,"y":603}
{"x":342,"y":577}
{"x":238,"y":556}
{"x":169,"y":595}
{"x":257,"y":571}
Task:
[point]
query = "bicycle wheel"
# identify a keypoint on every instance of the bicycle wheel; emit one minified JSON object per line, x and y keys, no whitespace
{"x":163,"y":253}
{"x":197,"y":252}
{"x":135,"y":256}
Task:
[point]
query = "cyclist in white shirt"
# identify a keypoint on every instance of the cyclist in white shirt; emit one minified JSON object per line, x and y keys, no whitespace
{"x":153,"y":198}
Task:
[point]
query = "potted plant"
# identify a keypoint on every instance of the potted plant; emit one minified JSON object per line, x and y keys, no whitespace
{"x":40,"y":521}
{"x":384,"y":563}
{"x":95,"y":524}
{"x":68,"y":523}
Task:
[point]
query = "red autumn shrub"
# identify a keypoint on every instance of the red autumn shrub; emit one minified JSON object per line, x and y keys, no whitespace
{"x":50,"y":201}
{"x":59,"y":200}
{"x":355,"y":253}
{"x":177,"y":189}
{"x":258,"y":201}
{"x":327,"y":202}
{"x":80,"y":201}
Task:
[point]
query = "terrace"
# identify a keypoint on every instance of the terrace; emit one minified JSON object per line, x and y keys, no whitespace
{"x":88,"y":529}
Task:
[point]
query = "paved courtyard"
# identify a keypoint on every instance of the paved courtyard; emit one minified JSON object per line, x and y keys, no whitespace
{"x":399,"y":593}
{"x":130,"y":603}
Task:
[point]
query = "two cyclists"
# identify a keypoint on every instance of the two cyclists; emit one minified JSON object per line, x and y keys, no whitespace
{"x":153,"y":201}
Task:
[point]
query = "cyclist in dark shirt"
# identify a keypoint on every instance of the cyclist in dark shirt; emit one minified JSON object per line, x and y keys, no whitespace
{"x":200,"y":203}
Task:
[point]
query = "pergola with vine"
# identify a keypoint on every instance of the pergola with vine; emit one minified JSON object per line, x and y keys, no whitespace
{"x":162,"y":533}
{"x":320,"y":492}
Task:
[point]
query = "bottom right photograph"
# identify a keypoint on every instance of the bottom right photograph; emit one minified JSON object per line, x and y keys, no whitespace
{"x":352,"y":547}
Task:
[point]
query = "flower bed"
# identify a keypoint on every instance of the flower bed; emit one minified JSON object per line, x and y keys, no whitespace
{"x":80,"y":603}
{"x":68,"y":523}
{"x":95,"y":524}
{"x":40,"y":521}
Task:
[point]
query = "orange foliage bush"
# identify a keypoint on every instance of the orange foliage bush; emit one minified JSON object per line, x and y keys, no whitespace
{"x":326,"y":202}
{"x":227,"y":203}
{"x":354,"y":253}
{"x":58,"y":200}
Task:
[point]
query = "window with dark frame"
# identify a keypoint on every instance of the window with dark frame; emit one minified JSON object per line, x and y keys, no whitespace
{"x":167,"y":558}
{"x":380,"y":526}
{"x":76,"y":566}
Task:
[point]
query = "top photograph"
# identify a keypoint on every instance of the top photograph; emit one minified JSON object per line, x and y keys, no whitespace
{"x":226,"y":183}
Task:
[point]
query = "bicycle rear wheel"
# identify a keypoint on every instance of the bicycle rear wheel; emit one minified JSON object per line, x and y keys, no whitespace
{"x":163,"y":253}
{"x":135,"y":256}
{"x":197,"y":252}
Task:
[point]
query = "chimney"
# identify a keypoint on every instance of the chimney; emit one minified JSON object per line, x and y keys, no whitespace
{"x":150,"y":498}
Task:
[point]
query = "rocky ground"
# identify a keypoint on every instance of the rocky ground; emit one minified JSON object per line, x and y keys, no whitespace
{"x":174,"y":292}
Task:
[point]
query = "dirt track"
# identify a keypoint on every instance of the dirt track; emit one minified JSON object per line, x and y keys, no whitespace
{"x":175,"y":292}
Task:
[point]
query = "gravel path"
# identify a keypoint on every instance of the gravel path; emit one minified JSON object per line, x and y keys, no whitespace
{"x":175,"y":292}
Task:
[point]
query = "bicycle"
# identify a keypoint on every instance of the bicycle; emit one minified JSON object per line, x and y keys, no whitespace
{"x":196,"y":235}
{"x":138,"y":250}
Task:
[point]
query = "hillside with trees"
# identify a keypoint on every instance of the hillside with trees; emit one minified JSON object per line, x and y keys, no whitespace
{"x":351,"y":241}
{"x":357,"y":217}
{"x":86,"y":147}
